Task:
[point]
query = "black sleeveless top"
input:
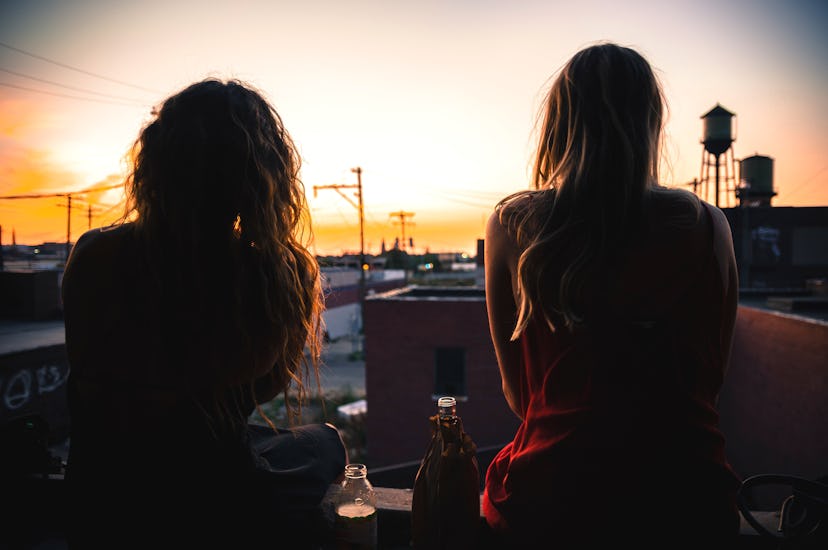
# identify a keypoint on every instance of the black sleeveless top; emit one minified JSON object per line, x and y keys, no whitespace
{"x":144,"y":457}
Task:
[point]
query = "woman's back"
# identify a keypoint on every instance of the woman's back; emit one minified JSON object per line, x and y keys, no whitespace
{"x":619,"y":410}
{"x":181,"y":321}
{"x":611,"y":306}
{"x":124,"y":380}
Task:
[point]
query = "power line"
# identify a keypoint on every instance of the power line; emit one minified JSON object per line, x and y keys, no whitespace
{"x":68,"y":205}
{"x":64,"y":194}
{"x":479,"y":204}
{"x":361,"y":209}
{"x":94,"y":189}
{"x":461,"y":192}
{"x":70,"y":67}
{"x":110,"y":209}
{"x":69,"y":87}
{"x":808,"y":182}
{"x":58,"y":94}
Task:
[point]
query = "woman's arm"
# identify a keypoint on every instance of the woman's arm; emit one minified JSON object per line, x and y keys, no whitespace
{"x":81,"y":296}
{"x":501,"y":268}
{"x":726,"y":259}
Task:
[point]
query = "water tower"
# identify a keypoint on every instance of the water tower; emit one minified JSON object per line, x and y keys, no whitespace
{"x":717,"y":154}
{"x":755,"y":181}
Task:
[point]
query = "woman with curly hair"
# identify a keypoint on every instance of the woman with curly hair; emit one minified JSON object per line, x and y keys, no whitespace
{"x":611,"y":303}
{"x":181,"y":321}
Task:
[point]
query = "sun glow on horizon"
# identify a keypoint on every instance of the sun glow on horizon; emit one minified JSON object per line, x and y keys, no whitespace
{"x":437,"y":103}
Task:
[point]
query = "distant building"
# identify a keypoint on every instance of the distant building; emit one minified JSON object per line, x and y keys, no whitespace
{"x":779,"y":247}
{"x":341,"y":288}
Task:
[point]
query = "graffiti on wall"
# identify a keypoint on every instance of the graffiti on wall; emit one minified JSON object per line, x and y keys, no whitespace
{"x":766,"y":245}
{"x":22,"y":386}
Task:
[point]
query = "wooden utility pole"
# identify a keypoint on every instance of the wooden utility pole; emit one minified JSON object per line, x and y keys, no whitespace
{"x":68,"y":205}
{"x":402,"y":215}
{"x":359,"y":206}
{"x":68,"y":225}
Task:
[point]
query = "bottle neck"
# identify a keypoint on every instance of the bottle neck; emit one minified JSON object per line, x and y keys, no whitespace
{"x":356,"y":472}
{"x":447,"y":408}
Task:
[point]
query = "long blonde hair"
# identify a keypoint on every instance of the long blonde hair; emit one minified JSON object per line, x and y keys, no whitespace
{"x":221,"y":212}
{"x":595,"y":169}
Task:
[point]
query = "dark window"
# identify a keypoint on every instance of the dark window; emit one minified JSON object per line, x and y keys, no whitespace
{"x":450,"y":371}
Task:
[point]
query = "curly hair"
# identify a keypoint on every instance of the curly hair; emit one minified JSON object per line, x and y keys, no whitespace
{"x":595,"y":170}
{"x":218,"y":204}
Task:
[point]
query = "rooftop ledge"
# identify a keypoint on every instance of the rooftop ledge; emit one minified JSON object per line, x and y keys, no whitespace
{"x":393,"y":519}
{"x":432,"y":293}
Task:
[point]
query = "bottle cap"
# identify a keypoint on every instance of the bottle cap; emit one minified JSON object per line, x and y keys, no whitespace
{"x":446,"y":402}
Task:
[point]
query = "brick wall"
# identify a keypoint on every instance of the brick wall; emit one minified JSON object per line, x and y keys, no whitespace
{"x":33,"y":382}
{"x":401,"y":335}
{"x":774,"y":404}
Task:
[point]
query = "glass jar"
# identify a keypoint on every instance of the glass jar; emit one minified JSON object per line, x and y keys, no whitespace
{"x":356,"y":511}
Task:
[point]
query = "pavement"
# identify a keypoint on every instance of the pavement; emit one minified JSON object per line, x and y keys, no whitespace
{"x":343,"y":366}
{"x":17,"y":336}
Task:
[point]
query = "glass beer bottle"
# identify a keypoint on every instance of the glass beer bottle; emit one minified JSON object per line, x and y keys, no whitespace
{"x":356,"y":511}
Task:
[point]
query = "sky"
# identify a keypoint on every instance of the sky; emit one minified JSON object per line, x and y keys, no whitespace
{"x":435,"y":101}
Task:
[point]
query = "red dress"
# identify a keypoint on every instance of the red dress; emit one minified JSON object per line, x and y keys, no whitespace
{"x":620,"y":431}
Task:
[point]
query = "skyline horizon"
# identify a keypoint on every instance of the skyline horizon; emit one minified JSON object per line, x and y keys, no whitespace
{"x":372,"y":248}
{"x":334,"y":233}
{"x":342,"y":253}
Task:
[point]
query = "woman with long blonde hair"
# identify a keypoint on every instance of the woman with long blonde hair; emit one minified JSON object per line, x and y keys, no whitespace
{"x":612,"y":302}
{"x":183,"y":320}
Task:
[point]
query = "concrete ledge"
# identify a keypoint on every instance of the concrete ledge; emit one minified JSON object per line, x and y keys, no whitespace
{"x":394,"y":522}
{"x":44,"y":509}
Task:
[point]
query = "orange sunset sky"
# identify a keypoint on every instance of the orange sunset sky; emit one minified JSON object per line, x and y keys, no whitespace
{"x":436,"y":101}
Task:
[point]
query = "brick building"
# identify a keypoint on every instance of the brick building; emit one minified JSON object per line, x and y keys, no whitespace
{"x":422,"y":343}
{"x":341,"y":288}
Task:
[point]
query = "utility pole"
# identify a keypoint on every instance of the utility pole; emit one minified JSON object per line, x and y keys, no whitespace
{"x":69,"y":206}
{"x":68,"y":224}
{"x":68,"y":197}
{"x":402,"y":215}
{"x":359,"y":206}
{"x":695,"y":185}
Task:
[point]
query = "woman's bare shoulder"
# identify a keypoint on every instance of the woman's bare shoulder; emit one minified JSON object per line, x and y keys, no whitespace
{"x":96,"y":248}
{"x":102,"y":239}
{"x":515,"y":211}
{"x":721,"y":226}
{"x":722,"y":236}
{"x":519,"y":202}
